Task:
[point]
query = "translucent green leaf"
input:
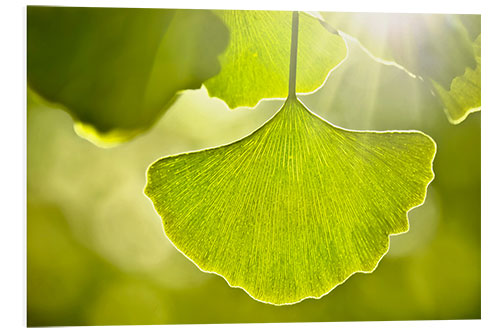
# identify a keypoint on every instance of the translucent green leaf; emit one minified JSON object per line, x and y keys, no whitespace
{"x":117,"y":70}
{"x":436,"y":47}
{"x":294,"y":209}
{"x":464,"y":95}
{"x":255,"y":64}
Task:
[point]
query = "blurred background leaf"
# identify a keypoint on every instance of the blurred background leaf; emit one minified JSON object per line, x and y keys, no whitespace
{"x":116,"y":70}
{"x":256,"y":63}
{"x":464,"y":95}
{"x":436,"y":47}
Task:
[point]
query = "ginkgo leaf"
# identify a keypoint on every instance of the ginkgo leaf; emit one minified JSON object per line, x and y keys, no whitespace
{"x":439,"y":48}
{"x":422,"y":43}
{"x":292,"y":210}
{"x":116,"y":70}
{"x":255,"y":64}
{"x":464,"y":95}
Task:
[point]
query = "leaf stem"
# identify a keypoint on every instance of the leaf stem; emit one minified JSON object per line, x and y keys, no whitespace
{"x":293,"y":56}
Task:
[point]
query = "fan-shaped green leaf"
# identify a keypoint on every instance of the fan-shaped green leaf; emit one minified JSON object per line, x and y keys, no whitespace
{"x":255,"y":64}
{"x":464,"y":95}
{"x":295,"y":208}
{"x":116,"y":70}
{"x":437,"y":47}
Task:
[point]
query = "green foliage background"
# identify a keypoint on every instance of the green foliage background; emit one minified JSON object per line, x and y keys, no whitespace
{"x":97,"y":253}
